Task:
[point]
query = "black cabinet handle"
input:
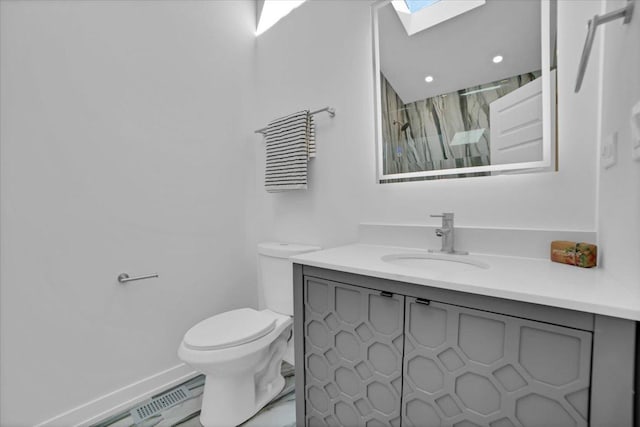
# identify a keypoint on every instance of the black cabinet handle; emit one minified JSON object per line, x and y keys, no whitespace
{"x":386,"y":294}
{"x":423,"y":301}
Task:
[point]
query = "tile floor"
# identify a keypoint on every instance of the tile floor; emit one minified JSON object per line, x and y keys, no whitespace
{"x":279,"y":413}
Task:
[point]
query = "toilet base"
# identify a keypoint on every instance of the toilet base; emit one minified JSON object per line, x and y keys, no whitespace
{"x":240,"y":380}
{"x":220,"y":408}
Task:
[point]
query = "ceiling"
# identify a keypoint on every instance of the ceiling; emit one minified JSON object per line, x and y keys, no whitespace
{"x":458,"y":53}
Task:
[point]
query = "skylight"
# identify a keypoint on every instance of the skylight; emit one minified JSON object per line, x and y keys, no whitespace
{"x":273,"y":11}
{"x":416,"y":5}
{"x":418,"y":15}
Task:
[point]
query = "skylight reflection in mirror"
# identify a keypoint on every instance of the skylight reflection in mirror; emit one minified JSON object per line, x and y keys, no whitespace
{"x":416,"y":5}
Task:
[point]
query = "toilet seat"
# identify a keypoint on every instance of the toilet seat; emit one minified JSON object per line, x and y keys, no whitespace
{"x":230,"y":329}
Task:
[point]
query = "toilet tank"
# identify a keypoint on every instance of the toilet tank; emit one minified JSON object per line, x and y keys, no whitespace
{"x":275,"y":274}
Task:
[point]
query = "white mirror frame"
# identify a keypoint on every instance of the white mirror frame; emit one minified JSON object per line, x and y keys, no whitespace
{"x":547,"y":119}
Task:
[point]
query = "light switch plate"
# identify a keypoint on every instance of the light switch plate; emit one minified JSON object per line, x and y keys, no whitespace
{"x":609,"y":154}
{"x":635,"y":132}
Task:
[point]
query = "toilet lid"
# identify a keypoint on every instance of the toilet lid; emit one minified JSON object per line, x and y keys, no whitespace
{"x":230,"y":329}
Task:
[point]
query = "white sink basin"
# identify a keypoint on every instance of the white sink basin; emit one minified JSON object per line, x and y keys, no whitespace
{"x":435,"y":263}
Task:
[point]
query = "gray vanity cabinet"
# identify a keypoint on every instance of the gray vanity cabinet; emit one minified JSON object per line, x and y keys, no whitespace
{"x":471,"y":367}
{"x":375,"y":352}
{"x":353,"y":342}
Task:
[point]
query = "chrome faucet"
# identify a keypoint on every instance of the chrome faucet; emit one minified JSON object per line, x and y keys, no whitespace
{"x":446,"y":232}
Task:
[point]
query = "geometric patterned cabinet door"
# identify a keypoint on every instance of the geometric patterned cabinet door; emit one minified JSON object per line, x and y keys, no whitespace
{"x":465,"y":367}
{"x":353,"y":355}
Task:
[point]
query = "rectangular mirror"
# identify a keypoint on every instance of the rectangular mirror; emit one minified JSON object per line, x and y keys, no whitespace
{"x":464,"y":88}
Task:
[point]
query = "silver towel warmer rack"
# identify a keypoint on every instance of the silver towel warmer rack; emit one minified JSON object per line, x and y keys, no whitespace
{"x":624,"y":12}
{"x":330,"y":110}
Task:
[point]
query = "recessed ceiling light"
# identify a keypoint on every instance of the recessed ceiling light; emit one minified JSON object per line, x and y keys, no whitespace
{"x":428,"y":79}
{"x":497,"y":59}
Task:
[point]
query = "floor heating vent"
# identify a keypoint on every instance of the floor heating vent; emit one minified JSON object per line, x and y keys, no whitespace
{"x":160,"y":403}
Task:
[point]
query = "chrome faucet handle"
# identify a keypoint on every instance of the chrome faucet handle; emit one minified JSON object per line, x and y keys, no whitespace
{"x":447,"y":217}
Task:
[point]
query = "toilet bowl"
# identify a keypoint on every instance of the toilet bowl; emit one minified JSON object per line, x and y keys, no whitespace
{"x":241,"y":351}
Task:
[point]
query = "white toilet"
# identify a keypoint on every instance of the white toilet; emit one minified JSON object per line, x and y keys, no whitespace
{"x":240,"y":351}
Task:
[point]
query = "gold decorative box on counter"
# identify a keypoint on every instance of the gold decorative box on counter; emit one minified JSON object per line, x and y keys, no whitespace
{"x":578,"y":254}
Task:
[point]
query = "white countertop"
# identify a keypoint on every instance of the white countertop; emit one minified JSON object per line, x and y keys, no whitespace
{"x":533,"y":280}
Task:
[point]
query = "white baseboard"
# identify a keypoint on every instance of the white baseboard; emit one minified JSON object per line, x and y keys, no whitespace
{"x":121,"y":399}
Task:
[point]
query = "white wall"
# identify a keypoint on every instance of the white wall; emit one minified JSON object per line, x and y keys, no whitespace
{"x":619,"y":201}
{"x":120,"y":125}
{"x":321,"y":55}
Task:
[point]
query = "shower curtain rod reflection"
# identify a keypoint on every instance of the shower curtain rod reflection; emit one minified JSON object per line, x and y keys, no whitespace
{"x":330,"y":110}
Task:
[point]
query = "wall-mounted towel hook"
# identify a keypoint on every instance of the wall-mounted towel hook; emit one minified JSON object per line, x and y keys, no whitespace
{"x":625,"y":12}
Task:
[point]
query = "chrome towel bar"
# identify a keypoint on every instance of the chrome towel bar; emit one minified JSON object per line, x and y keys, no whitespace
{"x":124,"y":277}
{"x":625,"y":12}
{"x":330,"y":110}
